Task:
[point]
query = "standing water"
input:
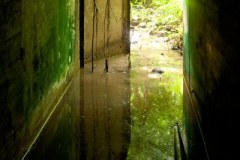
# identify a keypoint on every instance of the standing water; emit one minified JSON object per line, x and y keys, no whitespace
{"x":123,"y":114}
{"x":156,"y":80}
{"x":156,"y":100}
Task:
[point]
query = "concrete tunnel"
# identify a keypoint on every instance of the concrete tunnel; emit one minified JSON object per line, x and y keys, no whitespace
{"x":44,"y":43}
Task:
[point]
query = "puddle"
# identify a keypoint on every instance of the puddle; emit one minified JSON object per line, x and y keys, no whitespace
{"x":125,"y":114}
{"x":93,"y":119}
{"x":156,"y":99}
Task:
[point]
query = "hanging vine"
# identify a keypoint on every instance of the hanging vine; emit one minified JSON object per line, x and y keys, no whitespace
{"x":106,"y":33}
{"x":106,"y":28}
{"x":94,"y":30}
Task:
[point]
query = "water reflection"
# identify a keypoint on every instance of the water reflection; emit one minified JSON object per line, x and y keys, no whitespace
{"x":105,"y":113}
{"x":156,"y":104}
{"x":99,"y":119}
{"x":59,"y":138}
{"x":93,"y":119}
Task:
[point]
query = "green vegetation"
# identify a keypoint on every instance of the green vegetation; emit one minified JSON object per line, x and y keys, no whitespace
{"x":163,"y":18}
{"x":155,"y":107}
{"x":156,"y":104}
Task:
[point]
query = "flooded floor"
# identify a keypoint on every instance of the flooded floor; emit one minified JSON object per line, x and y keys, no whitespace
{"x":156,"y":99}
{"x":92,"y":120}
{"x":125,"y":114}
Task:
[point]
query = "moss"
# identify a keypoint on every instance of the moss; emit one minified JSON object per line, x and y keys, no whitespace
{"x":53,"y":44}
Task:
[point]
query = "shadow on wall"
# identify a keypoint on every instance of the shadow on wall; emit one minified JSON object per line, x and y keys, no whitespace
{"x":37,"y":57}
{"x":211,"y":68}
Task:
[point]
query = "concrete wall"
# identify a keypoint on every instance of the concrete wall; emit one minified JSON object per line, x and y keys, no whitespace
{"x":211,"y":71}
{"x":38,"y":52}
{"x":106,"y":31}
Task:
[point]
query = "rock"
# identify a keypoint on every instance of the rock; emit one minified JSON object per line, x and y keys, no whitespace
{"x":143,"y":25}
{"x":135,"y":18}
{"x":134,"y":23}
{"x":158,"y":70}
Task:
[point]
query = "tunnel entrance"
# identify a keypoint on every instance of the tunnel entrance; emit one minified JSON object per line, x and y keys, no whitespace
{"x":156,"y":77}
{"x":127,"y":112}
{"x":54,"y":108}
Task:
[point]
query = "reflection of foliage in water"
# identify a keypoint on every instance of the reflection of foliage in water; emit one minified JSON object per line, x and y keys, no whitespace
{"x":155,"y":106}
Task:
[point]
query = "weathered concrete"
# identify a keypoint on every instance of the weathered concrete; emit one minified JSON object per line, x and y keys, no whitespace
{"x":37,"y":58}
{"x":106,"y":28}
{"x":211,"y":69}
{"x":39,"y":53}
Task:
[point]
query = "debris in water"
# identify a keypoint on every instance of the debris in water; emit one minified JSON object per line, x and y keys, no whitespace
{"x":158,"y":70}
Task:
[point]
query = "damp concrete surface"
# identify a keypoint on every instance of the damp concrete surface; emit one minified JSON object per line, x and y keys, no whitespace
{"x":127,"y":113}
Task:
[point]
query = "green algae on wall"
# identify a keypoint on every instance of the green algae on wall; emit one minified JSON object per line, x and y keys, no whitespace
{"x":49,"y":44}
{"x":37,"y":55}
{"x":52,"y":52}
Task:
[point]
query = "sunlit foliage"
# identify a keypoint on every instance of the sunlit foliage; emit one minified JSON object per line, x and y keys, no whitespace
{"x":156,"y":105}
{"x":162,"y":17}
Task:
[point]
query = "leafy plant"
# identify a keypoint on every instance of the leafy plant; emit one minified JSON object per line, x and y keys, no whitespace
{"x":165,"y":18}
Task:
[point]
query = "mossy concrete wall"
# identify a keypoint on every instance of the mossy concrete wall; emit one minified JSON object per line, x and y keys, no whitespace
{"x":106,"y":28}
{"x":211,"y":71}
{"x":38,"y":55}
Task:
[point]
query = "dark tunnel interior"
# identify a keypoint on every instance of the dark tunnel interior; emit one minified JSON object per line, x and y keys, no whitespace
{"x":43,"y":45}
